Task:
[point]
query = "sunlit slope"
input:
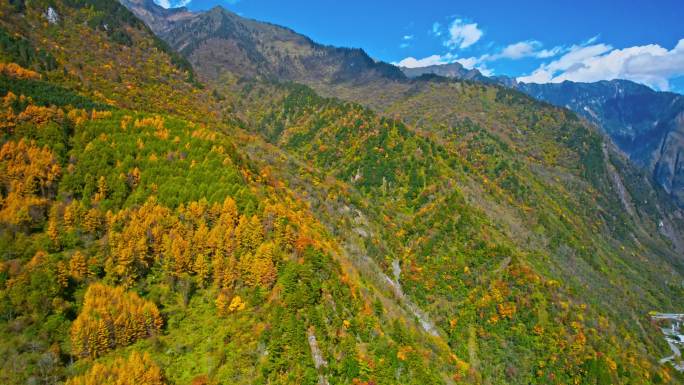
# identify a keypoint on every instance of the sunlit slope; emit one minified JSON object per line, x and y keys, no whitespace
{"x":464,"y":206}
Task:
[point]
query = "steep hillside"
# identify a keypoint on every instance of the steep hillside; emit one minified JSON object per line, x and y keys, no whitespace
{"x":645,"y":124}
{"x":101,"y":50}
{"x":244,"y":231}
{"x":452,"y":209}
{"x":139,"y":244}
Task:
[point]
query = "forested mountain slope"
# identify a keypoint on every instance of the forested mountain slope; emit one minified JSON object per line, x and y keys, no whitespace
{"x":458,"y":209}
{"x":141,"y":243}
{"x":244,"y":231}
{"x":645,"y":124}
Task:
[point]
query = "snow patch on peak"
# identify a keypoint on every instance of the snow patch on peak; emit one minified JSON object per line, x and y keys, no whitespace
{"x":172,"y":3}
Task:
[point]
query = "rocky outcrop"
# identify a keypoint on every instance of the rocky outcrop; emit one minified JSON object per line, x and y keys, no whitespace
{"x":669,"y":168}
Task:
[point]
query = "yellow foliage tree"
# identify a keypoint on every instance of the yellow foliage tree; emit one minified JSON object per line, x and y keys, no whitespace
{"x":92,"y":221}
{"x":16,"y":71}
{"x":137,"y":369}
{"x":53,"y":231}
{"x":78,"y":268}
{"x":236,"y":304}
{"x":225,"y":305}
{"x":112,"y":317}
{"x":258,"y":268}
{"x":71,"y":215}
{"x":29,"y":174}
{"x":62,"y":274}
{"x":201,"y":269}
{"x":102,"y":189}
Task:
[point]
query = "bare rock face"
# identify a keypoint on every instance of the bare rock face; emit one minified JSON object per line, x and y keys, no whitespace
{"x":669,"y":169}
{"x":52,"y":16}
{"x":159,"y":19}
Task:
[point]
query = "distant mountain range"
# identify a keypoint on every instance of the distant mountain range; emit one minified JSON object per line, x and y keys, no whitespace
{"x":646,"y":125}
{"x":159,"y":19}
{"x":452,"y":70}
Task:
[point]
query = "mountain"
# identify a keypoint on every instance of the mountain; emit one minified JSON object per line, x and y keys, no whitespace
{"x":218,"y":40}
{"x":452,"y":70}
{"x":242,"y":229}
{"x":138,"y":241}
{"x":644,"y":124}
{"x":480,"y":188}
{"x":159,"y":19}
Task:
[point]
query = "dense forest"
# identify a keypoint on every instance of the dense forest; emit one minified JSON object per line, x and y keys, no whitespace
{"x":156,"y":229}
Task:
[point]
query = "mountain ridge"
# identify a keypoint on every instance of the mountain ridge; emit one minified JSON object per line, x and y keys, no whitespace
{"x":644,"y":123}
{"x":253,"y":44}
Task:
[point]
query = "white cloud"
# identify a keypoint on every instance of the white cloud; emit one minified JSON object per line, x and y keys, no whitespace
{"x":547,"y":53}
{"x":406,"y":39}
{"x":528,"y":48}
{"x":515,"y":51}
{"x":521,"y":50}
{"x":591,"y":40}
{"x":469,"y":62}
{"x":575,"y":56}
{"x":588,"y":61}
{"x":650,"y":64}
{"x":436,"y":29}
{"x":462,"y":35}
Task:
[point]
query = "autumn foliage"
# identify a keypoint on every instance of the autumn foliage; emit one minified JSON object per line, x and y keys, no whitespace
{"x":16,"y":71}
{"x":136,"y":369}
{"x":29,"y":175}
{"x":302,"y":251}
{"x":112,"y":317}
{"x":207,"y":241}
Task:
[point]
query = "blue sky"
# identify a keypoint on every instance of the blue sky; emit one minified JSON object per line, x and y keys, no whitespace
{"x":535,"y":41}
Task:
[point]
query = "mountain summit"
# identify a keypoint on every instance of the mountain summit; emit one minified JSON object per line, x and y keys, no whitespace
{"x":159,"y":19}
{"x":452,"y":70}
{"x":219,"y":41}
